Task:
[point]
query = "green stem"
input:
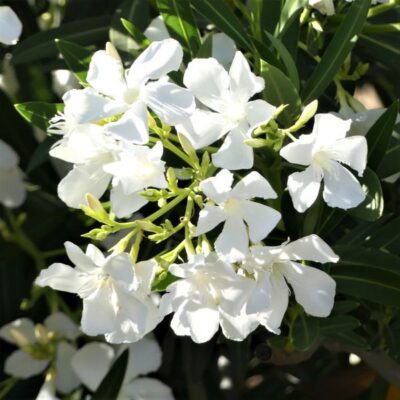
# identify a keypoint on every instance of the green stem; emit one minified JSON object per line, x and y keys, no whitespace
{"x":8,"y":385}
{"x":171,"y":147}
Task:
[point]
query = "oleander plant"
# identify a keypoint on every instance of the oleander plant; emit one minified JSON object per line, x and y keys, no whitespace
{"x":199,"y":199}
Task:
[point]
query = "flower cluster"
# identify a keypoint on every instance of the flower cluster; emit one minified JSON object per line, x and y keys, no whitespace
{"x":116,"y":132}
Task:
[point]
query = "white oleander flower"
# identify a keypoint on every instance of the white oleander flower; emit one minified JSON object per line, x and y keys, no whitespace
{"x":323,"y":6}
{"x":235,"y":208}
{"x":92,"y":362}
{"x":223,"y":48}
{"x":12,"y":188}
{"x":227,"y":94}
{"x":115,"y":293}
{"x":41,"y":347}
{"x":10,"y":26}
{"x":272,"y":267}
{"x":129,"y":93}
{"x":209,"y":294}
{"x":137,"y":168}
{"x":323,"y":151}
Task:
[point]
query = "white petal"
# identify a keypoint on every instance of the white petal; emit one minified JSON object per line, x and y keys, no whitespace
{"x":253,"y":185}
{"x":132,"y":126}
{"x":299,"y":151}
{"x":119,"y":267}
{"x":145,"y":272}
{"x":328,"y":129}
{"x":98,"y":314}
{"x":157,"y":60}
{"x":83,"y":179}
{"x":146,"y":389}
{"x":79,"y":258}
{"x":86,"y":105}
{"x":204,"y":128}
{"x":66,"y":379}
{"x":95,"y":254}
{"x":10,"y":26}
{"x":273,"y":316}
{"x":323,"y":6}
{"x":209,"y":82}
{"x":313,"y":288}
{"x":63,"y":325}
{"x":144,"y":357}
{"x":47,"y":391}
{"x":21,"y":365}
{"x":259,"y":112}
{"x":223,"y":49}
{"x":217,"y":187}
{"x":304,"y":187}
{"x":106,"y":74}
{"x":234,"y":154}
{"x":124,"y":205}
{"x":156,"y":30}
{"x":244,"y":84}
{"x":351,"y":151}
{"x":209,"y":217}
{"x":260,"y":298}
{"x":13,"y":192}
{"x":8,"y":157}
{"x":233,"y":243}
{"x":92,"y":362}
{"x":341,"y":188}
{"x":238,"y":327}
{"x":170,"y":102}
{"x":61,"y":277}
{"x":260,"y":219}
{"x":23,"y":326}
{"x":311,"y":248}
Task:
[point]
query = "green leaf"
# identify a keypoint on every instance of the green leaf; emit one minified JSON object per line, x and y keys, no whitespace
{"x":371,"y":208}
{"x":136,"y":12}
{"x":390,"y":163}
{"x":349,"y":338}
{"x":344,"y":306}
{"x":338,"y":49}
{"x":205,"y":49}
{"x":76,"y":57}
{"x":180,"y":23}
{"x":290,"y":33}
{"x":379,"y":135}
{"x":265,"y":16}
{"x":42,"y":45}
{"x":112,"y":382}
{"x":136,"y":33}
{"x":305,"y":332}
{"x":338,"y":323}
{"x":280,"y":90}
{"x":39,"y":113}
{"x":41,"y":154}
{"x":369,"y":274}
{"x":220,"y":14}
{"x":286,"y":58}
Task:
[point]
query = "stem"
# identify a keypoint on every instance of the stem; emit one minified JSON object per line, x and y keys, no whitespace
{"x":374,"y":11}
{"x":136,"y":247}
{"x":171,"y":147}
{"x":190,"y":251}
{"x":8,"y":385}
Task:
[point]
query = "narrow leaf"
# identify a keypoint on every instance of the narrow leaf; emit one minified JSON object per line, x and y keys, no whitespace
{"x":38,"y":113}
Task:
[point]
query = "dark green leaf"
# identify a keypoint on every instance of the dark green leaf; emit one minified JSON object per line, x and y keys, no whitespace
{"x":180,"y":23}
{"x":38,"y":113}
{"x":338,"y":49}
{"x":349,"y":338}
{"x":205,"y":49}
{"x":220,"y":14}
{"x":41,"y":154}
{"x":41,"y":45}
{"x":379,"y":135}
{"x":290,"y":33}
{"x":136,"y":33}
{"x":138,"y":14}
{"x":112,"y":382}
{"x":371,"y":208}
{"x":280,"y":90}
{"x":338,"y":323}
{"x":390,"y":164}
{"x":265,"y":16}
{"x":76,"y":57}
{"x":344,"y":306}
{"x":305,"y":332}
{"x":368,"y":274}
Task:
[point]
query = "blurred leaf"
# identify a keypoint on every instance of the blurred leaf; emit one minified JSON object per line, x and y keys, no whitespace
{"x":344,"y":306}
{"x":41,"y":154}
{"x":280,"y":90}
{"x":305,"y":332}
{"x":390,"y":163}
{"x":379,"y":135}
{"x":372,"y":207}
{"x":178,"y":18}
{"x":42,"y":45}
{"x":112,"y":382}
{"x":369,"y":274}
{"x":338,"y":49}
{"x":38,"y":113}
{"x":338,"y":323}
{"x":349,"y":338}
{"x":136,"y":12}
{"x":290,"y":33}
{"x":76,"y":57}
{"x":220,"y":14}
